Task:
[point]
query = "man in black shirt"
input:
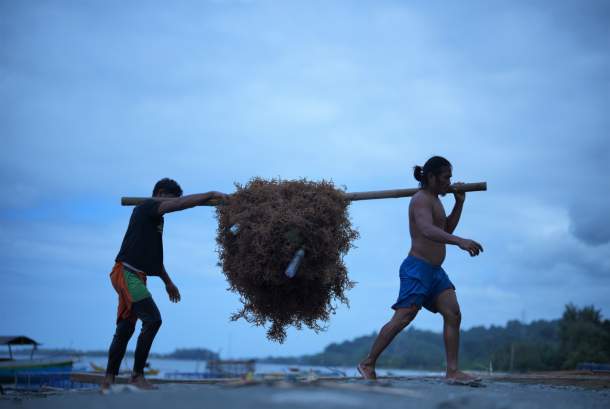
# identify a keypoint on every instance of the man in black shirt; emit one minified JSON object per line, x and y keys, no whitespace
{"x":141,"y":255}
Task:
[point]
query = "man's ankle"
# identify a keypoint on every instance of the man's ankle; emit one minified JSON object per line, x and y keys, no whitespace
{"x":136,"y":375}
{"x":107,"y":382}
{"x":368,"y":362}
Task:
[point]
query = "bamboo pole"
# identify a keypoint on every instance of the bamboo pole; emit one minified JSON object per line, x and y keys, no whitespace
{"x":396,"y":193}
{"x":135,"y":201}
{"x":353,"y":196}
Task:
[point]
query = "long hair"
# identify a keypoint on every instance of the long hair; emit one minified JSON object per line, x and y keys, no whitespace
{"x":433,"y":166}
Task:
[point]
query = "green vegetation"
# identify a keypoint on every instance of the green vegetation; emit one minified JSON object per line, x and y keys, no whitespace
{"x":199,"y":354}
{"x":579,"y":336}
{"x":584,"y":337}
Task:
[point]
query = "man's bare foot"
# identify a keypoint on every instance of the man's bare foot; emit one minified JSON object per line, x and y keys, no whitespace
{"x":367,"y":370}
{"x":140,"y":382}
{"x":461,"y":377}
{"x":106,"y":383}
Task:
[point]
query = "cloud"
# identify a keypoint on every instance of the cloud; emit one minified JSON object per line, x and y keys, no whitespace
{"x":100,"y":102}
{"x":589,"y":221}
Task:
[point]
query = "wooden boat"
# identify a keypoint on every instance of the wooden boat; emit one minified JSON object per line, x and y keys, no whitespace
{"x":147,"y":371}
{"x":218,"y":369}
{"x":10,"y":367}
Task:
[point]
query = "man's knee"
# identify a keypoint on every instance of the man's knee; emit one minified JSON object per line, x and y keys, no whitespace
{"x":147,"y":311}
{"x":404,"y":316}
{"x":152,"y":324}
{"x":452,"y":315}
{"x":125,"y":329}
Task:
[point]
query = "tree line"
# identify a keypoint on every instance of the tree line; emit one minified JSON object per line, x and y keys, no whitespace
{"x":581,"y":335}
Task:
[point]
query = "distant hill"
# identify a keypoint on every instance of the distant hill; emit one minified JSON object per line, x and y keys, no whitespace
{"x":419,"y":349}
{"x":579,"y":336}
{"x":199,"y":354}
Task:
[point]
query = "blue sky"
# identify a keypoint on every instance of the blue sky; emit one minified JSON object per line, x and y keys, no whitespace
{"x":101,"y":99}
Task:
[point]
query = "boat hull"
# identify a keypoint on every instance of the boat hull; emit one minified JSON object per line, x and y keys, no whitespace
{"x":8,"y":369}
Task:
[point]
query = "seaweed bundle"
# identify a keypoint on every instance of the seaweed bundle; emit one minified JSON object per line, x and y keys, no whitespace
{"x":268,"y":225}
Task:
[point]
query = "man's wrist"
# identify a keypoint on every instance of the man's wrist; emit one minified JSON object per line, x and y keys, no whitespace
{"x":166,"y":279}
{"x":455,"y":240}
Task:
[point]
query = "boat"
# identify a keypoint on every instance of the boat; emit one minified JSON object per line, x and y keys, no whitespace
{"x":230,"y":368}
{"x":10,"y":367}
{"x":593,"y":367}
{"x":320,"y":372}
{"x":147,"y":370}
{"x":218,"y":369}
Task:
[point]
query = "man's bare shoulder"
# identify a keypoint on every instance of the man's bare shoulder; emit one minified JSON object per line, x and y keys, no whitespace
{"x":420,"y":199}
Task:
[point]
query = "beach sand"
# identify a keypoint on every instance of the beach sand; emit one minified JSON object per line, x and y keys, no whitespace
{"x":531,"y":391}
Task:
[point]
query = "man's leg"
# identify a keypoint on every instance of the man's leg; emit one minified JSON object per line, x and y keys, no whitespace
{"x":116,"y":352}
{"x":147,"y":311}
{"x":447,"y":305}
{"x":402,"y":317}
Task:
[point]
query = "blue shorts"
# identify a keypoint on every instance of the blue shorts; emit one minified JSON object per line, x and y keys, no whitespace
{"x":420,"y":284}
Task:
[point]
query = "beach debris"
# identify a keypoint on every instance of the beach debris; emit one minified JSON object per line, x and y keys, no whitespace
{"x":474,"y":383}
{"x":285,"y":258}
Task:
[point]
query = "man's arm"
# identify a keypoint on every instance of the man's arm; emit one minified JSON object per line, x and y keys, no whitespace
{"x":188,"y":201}
{"x":454,"y":217}
{"x":422,"y":212}
{"x":170,"y":287}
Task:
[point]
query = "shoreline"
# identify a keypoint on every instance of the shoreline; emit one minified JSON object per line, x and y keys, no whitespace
{"x":554,"y":389}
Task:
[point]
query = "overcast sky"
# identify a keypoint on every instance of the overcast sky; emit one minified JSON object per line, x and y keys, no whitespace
{"x":101,"y":99}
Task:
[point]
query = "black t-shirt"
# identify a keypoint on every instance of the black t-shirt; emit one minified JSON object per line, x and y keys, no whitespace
{"x":142,"y":246}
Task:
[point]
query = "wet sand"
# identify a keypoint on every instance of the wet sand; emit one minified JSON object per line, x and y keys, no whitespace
{"x":525,"y":391}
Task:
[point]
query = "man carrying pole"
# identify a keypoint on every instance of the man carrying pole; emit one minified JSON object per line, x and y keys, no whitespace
{"x":423,"y":282}
{"x":141,"y":255}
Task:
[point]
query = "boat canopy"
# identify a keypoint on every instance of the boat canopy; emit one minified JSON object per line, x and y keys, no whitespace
{"x":17,"y":340}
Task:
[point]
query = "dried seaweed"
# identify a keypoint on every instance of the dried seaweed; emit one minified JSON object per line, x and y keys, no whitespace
{"x":261,"y":227}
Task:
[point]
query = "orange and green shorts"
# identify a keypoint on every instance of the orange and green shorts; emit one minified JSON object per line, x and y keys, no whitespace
{"x":130,"y":286}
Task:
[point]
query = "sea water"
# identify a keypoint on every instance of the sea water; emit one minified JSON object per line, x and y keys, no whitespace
{"x":166,"y":366}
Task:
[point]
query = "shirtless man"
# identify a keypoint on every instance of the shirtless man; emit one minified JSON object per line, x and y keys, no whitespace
{"x":141,"y":255}
{"x":423,"y":282}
